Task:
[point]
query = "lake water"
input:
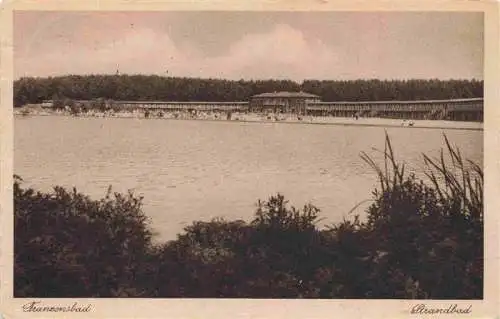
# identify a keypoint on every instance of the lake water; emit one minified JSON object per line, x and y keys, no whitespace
{"x":197,"y":170}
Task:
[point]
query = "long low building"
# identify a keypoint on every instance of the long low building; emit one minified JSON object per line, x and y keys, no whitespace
{"x":179,"y":106}
{"x":161,"y":105}
{"x":455,"y":109}
{"x":472,"y":104}
{"x":309,"y":104}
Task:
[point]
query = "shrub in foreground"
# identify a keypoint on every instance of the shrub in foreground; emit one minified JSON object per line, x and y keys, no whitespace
{"x":69,"y":245}
{"x":433,"y":234}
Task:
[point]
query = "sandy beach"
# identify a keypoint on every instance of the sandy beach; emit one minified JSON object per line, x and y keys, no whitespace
{"x":35,"y":110}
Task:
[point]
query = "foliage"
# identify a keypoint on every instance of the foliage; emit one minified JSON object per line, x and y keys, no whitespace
{"x":61,"y":102}
{"x":69,"y":245}
{"x":419,"y":240}
{"x":431,"y":234}
{"x":153,"y":87}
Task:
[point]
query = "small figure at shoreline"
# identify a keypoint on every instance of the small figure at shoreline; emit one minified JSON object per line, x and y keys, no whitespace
{"x":407,"y":123}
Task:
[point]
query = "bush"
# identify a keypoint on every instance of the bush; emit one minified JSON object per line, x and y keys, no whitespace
{"x":431,"y":234}
{"x":67,"y":245}
{"x":60,"y":103}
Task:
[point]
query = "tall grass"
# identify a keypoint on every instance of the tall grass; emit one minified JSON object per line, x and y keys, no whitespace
{"x":432,"y":232}
{"x":457,"y":183}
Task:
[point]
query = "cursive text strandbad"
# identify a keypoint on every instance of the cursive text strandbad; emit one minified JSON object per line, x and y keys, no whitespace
{"x":422,"y":309}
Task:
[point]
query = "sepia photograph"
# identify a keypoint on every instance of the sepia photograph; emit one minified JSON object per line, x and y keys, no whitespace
{"x":222,"y":154}
{"x":248,"y":154}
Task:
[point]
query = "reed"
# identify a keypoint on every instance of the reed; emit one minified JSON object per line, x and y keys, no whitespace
{"x":455,"y":180}
{"x":435,"y":222}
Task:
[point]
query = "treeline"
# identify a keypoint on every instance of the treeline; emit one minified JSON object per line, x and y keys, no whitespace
{"x":418,"y":241}
{"x":153,"y":87}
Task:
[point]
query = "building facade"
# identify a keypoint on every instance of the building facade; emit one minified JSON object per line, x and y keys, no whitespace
{"x":456,"y":109}
{"x":282,"y":102}
{"x":309,"y":104}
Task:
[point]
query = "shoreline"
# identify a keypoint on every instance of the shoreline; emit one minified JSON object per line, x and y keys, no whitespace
{"x":261,"y":118}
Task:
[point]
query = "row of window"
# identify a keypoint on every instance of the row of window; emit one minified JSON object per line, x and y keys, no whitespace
{"x":394,"y":107}
{"x":322,"y":106}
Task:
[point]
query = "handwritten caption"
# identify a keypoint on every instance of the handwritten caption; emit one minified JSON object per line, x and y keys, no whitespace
{"x":38,"y":306}
{"x":423,"y":309}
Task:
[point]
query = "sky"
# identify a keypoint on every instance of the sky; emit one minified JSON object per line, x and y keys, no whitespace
{"x":251,"y":45}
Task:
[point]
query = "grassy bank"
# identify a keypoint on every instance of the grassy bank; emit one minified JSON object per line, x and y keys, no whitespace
{"x":419,"y":240}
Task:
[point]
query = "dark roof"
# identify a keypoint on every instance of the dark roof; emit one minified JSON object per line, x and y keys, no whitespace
{"x":286,"y":94}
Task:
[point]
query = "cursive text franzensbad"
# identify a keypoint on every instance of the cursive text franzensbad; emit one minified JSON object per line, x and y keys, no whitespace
{"x":37,"y":306}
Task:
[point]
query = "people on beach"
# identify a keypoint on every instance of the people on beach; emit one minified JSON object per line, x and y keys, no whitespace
{"x":407,"y":123}
{"x":219,"y":115}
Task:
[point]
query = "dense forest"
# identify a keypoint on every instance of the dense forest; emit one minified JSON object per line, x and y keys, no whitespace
{"x":152,"y":87}
{"x":420,"y":240}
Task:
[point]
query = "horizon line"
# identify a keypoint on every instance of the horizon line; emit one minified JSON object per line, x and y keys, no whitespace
{"x":244,"y":79}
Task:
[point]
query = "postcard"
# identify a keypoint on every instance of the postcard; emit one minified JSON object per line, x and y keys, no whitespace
{"x":250,"y":159}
